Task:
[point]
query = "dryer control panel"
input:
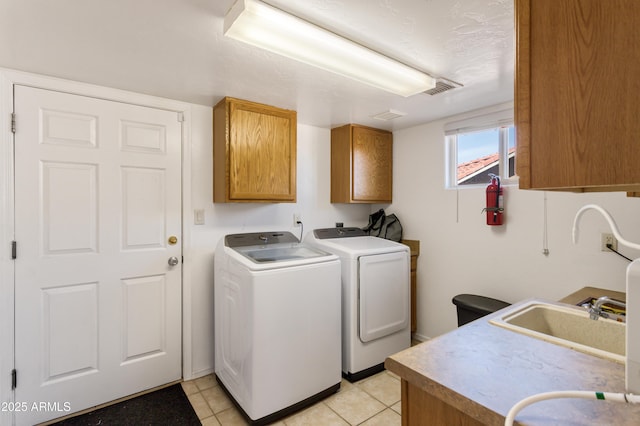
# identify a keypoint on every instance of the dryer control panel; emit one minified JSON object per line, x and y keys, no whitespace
{"x":326,"y":233}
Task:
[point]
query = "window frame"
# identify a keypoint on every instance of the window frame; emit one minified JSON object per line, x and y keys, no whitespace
{"x":502,"y":121}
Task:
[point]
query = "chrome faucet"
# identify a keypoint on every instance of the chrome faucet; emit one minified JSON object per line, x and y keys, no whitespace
{"x":595,"y":311}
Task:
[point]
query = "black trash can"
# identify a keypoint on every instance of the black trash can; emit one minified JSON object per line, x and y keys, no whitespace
{"x":471,"y":307}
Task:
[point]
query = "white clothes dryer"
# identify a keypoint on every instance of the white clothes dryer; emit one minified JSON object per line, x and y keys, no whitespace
{"x":376,"y":277}
{"x":277,"y":323}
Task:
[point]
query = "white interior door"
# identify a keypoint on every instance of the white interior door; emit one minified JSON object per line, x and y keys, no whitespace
{"x":97,"y":304}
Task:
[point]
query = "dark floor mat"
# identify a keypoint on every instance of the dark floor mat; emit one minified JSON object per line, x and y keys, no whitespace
{"x":168,"y":406}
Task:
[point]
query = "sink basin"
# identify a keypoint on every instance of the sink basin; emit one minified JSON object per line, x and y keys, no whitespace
{"x":567,"y":326}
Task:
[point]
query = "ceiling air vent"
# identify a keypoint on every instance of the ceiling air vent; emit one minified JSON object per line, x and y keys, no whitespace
{"x":389,"y":115}
{"x":442,"y":85}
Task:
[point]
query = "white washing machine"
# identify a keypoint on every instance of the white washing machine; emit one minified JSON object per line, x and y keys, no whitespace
{"x":375,"y":297}
{"x":277,"y":323}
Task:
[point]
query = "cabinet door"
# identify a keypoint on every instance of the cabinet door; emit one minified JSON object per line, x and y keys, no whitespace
{"x":260,"y":153}
{"x":577,"y":68}
{"x":372,"y":165}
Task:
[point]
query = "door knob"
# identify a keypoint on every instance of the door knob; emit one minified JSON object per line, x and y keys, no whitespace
{"x":173,"y":261}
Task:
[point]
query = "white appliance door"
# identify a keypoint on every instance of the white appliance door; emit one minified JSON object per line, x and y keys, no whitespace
{"x":383,"y":289}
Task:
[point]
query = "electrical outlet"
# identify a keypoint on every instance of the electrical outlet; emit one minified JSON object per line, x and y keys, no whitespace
{"x":606,"y":239}
{"x":297,"y":218}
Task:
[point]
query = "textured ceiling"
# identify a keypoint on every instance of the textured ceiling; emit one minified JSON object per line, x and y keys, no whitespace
{"x":176,"y":49}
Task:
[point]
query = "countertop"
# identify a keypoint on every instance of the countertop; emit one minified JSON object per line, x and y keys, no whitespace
{"x":587,"y":292}
{"x":414,"y":246}
{"x":483,"y":370}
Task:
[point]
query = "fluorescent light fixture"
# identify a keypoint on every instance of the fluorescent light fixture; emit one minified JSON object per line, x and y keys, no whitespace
{"x":272,"y":29}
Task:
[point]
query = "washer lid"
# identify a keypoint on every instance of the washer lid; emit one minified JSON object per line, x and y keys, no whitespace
{"x":272,"y":247}
{"x":280,"y":253}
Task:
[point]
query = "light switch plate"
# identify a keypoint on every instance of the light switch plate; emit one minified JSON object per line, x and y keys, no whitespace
{"x":198,"y":217}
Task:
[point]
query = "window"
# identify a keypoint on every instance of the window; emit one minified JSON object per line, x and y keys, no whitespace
{"x":477,"y":150}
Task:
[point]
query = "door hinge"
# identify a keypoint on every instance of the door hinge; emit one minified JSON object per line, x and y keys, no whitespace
{"x":14,"y":250}
{"x":14,"y":379}
{"x":180,"y":117}
{"x":13,"y":122}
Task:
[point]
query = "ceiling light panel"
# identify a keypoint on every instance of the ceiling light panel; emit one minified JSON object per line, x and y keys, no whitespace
{"x":391,"y":114}
{"x":272,"y":29}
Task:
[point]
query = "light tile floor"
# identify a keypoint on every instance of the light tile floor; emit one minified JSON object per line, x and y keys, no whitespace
{"x":373,"y":401}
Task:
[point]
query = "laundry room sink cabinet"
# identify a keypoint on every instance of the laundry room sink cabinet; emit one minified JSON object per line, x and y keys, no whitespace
{"x":576,"y":86}
{"x":361,"y":165}
{"x":254,"y":153}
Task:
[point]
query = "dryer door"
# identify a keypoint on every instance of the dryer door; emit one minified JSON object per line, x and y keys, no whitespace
{"x":383,"y":289}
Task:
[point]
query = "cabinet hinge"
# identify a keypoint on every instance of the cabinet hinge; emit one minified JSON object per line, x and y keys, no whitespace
{"x":13,"y":122}
{"x":14,"y":379}
{"x":14,"y":250}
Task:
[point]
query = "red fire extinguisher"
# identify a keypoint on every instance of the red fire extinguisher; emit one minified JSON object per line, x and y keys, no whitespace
{"x":494,"y":206}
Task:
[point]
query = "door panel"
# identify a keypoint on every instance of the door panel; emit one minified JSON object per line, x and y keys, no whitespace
{"x":98,"y":308}
{"x":143,"y":137}
{"x":383,"y":286}
{"x":144,"y":318}
{"x":71,"y":129}
{"x":71,"y":346}
{"x":143,"y":201}
{"x":69,"y":208}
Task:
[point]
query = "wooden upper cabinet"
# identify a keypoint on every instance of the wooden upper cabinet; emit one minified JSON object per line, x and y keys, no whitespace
{"x":577,"y":84}
{"x":254,"y":152}
{"x":361,"y":165}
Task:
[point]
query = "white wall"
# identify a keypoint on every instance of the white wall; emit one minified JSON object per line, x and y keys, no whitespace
{"x":461,"y":254}
{"x":313,"y":184}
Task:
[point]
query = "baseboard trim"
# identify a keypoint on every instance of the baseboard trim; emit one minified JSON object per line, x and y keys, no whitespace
{"x":420,"y":337}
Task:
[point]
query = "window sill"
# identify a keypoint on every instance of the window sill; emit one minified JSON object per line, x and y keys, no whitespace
{"x":514,"y":181}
